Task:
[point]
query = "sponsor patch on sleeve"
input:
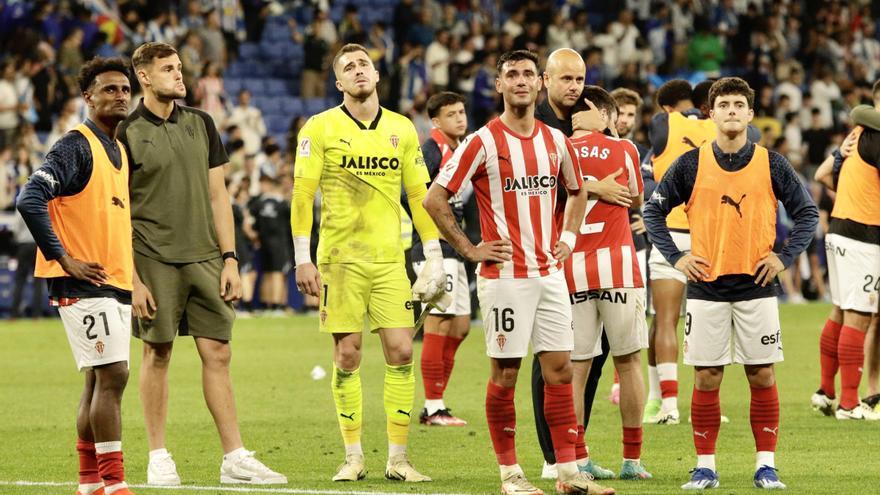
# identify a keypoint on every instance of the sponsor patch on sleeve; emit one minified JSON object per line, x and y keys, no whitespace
{"x":305,"y":147}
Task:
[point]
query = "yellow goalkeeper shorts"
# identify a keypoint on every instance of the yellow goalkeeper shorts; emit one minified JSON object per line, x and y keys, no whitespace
{"x":351,"y":291}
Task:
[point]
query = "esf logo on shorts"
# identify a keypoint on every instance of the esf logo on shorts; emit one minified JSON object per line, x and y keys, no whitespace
{"x":408,"y":305}
{"x":773,"y":338}
{"x":601,"y":295}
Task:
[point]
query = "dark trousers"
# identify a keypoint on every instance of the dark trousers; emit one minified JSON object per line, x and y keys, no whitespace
{"x":26,"y":255}
{"x":538,"y":399}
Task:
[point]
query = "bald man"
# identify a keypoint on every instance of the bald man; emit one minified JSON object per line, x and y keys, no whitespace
{"x":564,"y":80}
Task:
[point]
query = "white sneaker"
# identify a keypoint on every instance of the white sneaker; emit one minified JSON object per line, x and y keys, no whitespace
{"x":517,"y":484}
{"x":353,"y":469}
{"x":862,"y":411}
{"x":548,"y":472}
{"x":247,"y":469}
{"x":162,"y":471}
{"x":665,"y":418}
{"x":400,"y":468}
{"x":822,"y":403}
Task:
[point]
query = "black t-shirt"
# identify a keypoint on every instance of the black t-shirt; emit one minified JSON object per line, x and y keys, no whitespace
{"x":433,"y":157}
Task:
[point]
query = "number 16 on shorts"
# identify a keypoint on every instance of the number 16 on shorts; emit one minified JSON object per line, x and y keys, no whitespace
{"x":98,"y":329}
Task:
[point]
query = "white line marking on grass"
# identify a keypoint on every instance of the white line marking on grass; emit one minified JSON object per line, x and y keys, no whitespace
{"x":238,"y":489}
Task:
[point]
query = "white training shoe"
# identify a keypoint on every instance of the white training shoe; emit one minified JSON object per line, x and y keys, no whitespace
{"x":353,"y":469}
{"x":248,"y":470}
{"x":665,"y":418}
{"x":548,"y":472}
{"x":162,"y":471}
{"x":517,"y":484}
{"x":862,"y":411}
{"x":822,"y":403}
{"x":399,"y":468}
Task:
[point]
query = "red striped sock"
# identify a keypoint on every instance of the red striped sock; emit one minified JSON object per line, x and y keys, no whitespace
{"x":449,"y":350}
{"x":580,"y":445}
{"x":706,"y":420}
{"x":851,"y":354}
{"x":559,"y":413}
{"x":432,"y":365}
{"x":632,"y":442}
{"x":828,"y":355}
{"x":501,"y":417}
{"x":668,"y":374}
{"x":88,"y":463}
{"x":764,"y":416}
{"x":111,"y":468}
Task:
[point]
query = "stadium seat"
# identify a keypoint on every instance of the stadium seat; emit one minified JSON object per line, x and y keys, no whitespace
{"x":312,"y":106}
{"x":292,"y":107}
{"x":232,"y":85}
{"x":254,"y":85}
{"x":276,"y":87}
{"x":248,"y":51}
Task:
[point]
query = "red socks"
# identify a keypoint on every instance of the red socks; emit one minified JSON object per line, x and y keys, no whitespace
{"x":764,"y":416}
{"x":501,"y":417}
{"x":580,"y":445}
{"x":632,"y":442}
{"x":88,"y":463}
{"x":110,"y":465}
{"x":851,"y":354}
{"x":449,"y":350}
{"x":706,"y":420}
{"x":432,"y":365}
{"x":559,"y":413}
{"x":828,"y":355}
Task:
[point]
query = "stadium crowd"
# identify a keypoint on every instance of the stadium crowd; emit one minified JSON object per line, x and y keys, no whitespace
{"x":807,"y":77}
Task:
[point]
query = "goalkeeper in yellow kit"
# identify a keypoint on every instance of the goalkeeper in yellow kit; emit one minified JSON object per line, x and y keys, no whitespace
{"x":360,"y":155}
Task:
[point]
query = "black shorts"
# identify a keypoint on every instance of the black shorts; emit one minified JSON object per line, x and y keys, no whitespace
{"x":275,"y":257}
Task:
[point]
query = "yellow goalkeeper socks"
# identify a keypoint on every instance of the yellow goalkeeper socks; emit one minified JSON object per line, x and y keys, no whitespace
{"x":400,"y":389}
{"x":348,"y":397}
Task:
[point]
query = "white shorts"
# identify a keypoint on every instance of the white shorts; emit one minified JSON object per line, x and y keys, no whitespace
{"x":620,"y":311}
{"x":456,"y":286}
{"x":753,"y":326}
{"x":98,"y":329}
{"x":660,"y":268}
{"x":853,"y":273}
{"x":520,"y":311}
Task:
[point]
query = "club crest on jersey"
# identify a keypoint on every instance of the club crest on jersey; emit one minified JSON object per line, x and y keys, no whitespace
{"x":323,"y":316}
{"x":553,"y":157}
{"x":395,"y":140}
{"x":501,"y":340}
{"x":100,"y":348}
{"x":530,"y":185}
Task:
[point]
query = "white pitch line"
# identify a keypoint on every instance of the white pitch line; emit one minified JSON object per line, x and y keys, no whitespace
{"x":298,"y":491}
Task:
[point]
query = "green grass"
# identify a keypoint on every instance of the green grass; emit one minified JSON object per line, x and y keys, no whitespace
{"x":288,"y":418}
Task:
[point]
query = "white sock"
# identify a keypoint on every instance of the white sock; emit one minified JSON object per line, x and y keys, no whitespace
{"x":434,"y":405}
{"x":566,"y":470}
{"x":354,"y":448}
{"x":109,"y":490}
{"x":235,"y":454}
{"x":764,"y":458}
{"x":394,"y":449}
{"x":107,"y":447}
{"x":157,"y":453}
{"x":637,"y":461}
{"x":668,"y":372}
{"x":508,"y":471}
{"x":583,"y":462}
{"x":88,"y":488}
{"x":653,"y":383}
{"x":706,"y":461}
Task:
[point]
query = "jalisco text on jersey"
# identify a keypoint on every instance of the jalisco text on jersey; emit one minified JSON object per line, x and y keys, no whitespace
{"x":370,"y":162}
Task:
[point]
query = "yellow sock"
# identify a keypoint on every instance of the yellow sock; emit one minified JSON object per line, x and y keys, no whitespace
{"x":400,"y":389}
{"x":348,"y":397}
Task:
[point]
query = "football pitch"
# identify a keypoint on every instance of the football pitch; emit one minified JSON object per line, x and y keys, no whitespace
{"x":288,"y":418}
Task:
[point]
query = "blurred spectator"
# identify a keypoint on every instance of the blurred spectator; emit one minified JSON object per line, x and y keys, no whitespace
{"x":68,"y":119}
{"x":210,"y":94}
{"x":271,"y":214}
{"x":705,"y":51}
{"x":826,"y":94}
{"x":26,"y":256}
{"x":316,"y":48}
{"x":191,"y":59}
{"x":437,"y":58}
{"x":212,"y":39}
{"x":296,"y":123}
{"x":414,"y":86}
{"x":350,"y":28}
{"x":9,"y":104}
{"x":250,"y":120}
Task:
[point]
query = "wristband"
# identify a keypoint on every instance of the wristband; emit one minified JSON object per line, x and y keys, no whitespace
{"x":302,"y":247}
{"x":229,"y":255}
{"x":432,"y":249}
{"x":568,"y":238}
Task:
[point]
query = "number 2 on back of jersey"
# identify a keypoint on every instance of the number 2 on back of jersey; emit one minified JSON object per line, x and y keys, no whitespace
{"x":591,"y":228}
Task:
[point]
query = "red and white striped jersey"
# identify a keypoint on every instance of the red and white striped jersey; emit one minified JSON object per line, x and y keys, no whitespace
{"x":604,"y":256}
{"x":515,"y":180}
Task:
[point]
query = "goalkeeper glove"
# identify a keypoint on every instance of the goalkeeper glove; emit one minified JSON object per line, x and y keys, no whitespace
{"x":430,"y":285}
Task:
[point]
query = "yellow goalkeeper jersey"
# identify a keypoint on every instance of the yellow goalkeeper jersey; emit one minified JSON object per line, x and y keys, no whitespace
{"x":362,"y":168}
